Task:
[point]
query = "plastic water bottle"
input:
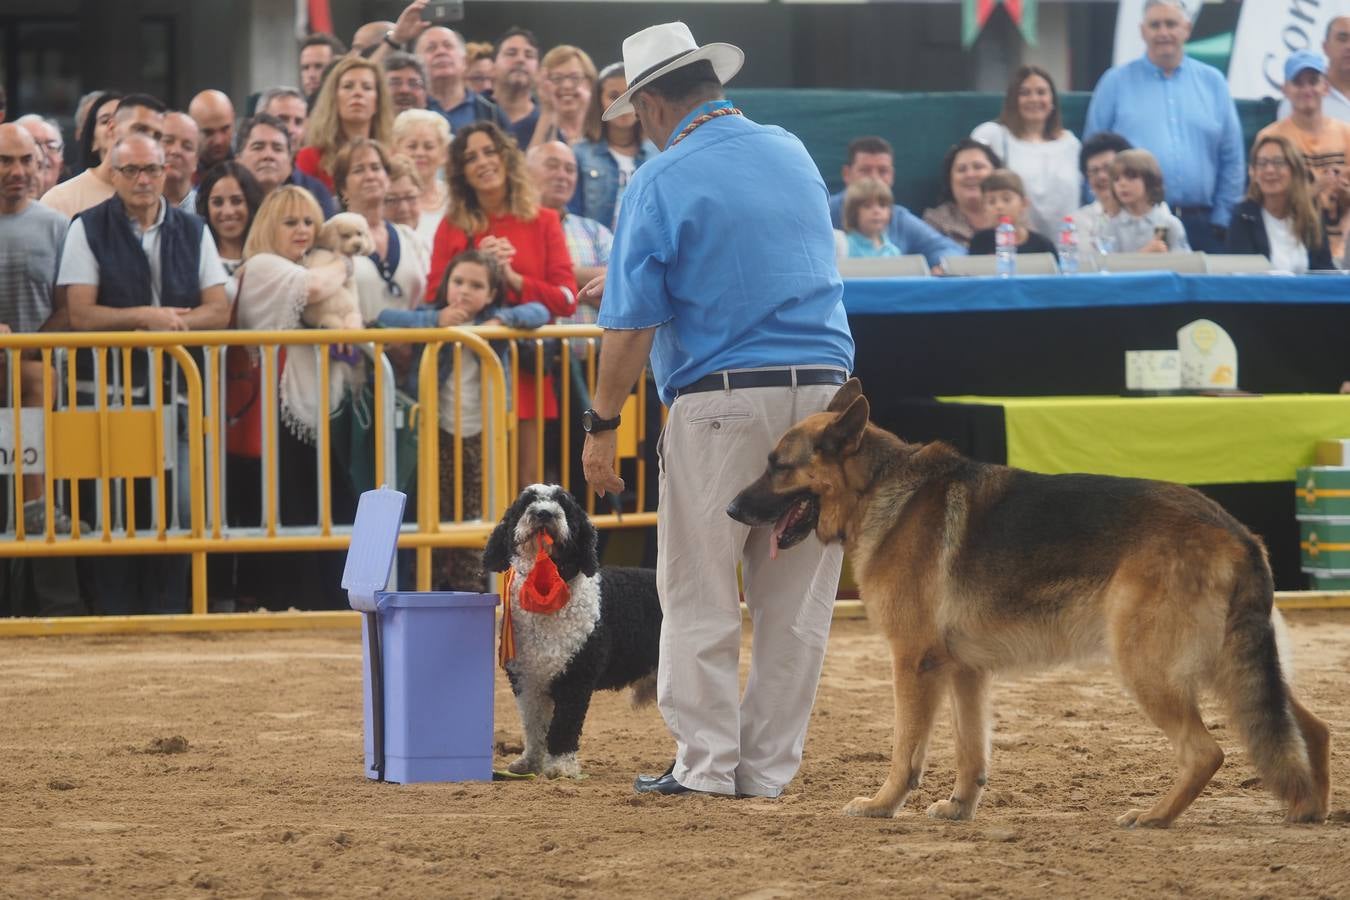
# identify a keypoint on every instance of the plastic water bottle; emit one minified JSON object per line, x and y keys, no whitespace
{"x":1068,"y":247}
{"x":1005,"y":248}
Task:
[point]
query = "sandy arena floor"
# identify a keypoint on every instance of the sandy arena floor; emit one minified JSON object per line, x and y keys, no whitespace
{"x":267,"y":798}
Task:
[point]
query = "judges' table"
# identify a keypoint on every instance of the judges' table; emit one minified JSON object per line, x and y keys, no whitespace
{"x":1053,"y":336}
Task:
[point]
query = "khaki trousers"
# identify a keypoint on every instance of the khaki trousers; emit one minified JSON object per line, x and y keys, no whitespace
{"x":714,"y":444}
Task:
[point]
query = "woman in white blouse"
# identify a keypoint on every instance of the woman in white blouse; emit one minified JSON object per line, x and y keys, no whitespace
{"x":1279,"y":219}
{"x":424,"y":137}
{"x":1031,"y":140}
{"x":274,"y":289}
{"x":395,"y":275}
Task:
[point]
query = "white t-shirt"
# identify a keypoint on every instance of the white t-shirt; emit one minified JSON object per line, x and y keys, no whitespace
{"x":78,"y":265}
{"x":1287,"y":253}
{"x":1049,"y":171}
{"x":627,"y":166}
{"x":410,"y":276}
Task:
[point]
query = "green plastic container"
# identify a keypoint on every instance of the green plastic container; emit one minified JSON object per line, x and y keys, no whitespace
{"x":1324,"y":542}
{"x":1322,"y":491}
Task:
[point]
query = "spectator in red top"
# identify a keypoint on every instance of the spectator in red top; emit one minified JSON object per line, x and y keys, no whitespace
{"x":353,"y":103}
{"x":494,"y":207}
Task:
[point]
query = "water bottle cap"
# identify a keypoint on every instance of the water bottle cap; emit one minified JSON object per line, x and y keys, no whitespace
{"x":1005,"y":220}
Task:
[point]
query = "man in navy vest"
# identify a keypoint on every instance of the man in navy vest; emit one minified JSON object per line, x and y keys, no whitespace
{"x":136,"y":263}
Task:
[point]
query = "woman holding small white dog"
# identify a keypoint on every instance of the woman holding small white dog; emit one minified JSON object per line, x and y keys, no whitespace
{"x":274,"y":290}
{"x":394,"y":275}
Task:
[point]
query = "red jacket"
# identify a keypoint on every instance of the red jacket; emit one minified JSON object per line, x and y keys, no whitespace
{"x":541,"y":259}
{"x":307,"y":161}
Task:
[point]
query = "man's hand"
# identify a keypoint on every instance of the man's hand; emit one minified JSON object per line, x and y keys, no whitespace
{"x":597,"y":460}
{"x":409,"y":26}
{"x":162,"y":318}
{"x":594,"y":289}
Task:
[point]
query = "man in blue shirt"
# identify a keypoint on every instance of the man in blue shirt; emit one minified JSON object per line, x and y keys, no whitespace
{"x":441,"y":52}
{"x":1178,"y":109}
{"x":723,"y":272}
{"x":872,"y":157}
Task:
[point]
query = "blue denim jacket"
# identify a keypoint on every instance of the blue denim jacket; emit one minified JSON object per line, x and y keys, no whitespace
{"x":523,"y":316}
{"x":598,"y":179}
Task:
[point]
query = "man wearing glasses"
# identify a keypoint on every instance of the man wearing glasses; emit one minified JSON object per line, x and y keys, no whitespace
{"x":441,"y":52}
{"x":133,"y":248}
{"x":51,"y":159}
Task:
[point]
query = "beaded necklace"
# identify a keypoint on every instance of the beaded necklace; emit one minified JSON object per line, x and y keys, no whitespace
{"x":703,"y":120}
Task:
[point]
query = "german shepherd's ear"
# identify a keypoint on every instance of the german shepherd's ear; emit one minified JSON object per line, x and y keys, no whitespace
{"x":843,"y":436}
{"x":848,"y":392}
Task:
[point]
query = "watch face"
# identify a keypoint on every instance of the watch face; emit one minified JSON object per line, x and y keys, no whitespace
{"x":587,"y":420}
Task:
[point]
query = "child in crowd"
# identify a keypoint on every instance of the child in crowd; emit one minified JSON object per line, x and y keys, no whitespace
{"x":469,"y":294}
{"x":1144,"y":223}
{"x":867,"y":221}
{"x":1004,"y":195}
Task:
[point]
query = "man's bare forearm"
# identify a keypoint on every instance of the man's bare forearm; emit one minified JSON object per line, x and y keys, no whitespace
{"x":623,"y":354}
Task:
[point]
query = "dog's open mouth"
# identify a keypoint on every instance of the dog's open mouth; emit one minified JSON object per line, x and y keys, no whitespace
{"x":795,"y":524}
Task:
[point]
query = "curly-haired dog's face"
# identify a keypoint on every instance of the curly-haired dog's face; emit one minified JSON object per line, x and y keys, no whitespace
{"x":543,"y":509}
{"x":348,"y":234}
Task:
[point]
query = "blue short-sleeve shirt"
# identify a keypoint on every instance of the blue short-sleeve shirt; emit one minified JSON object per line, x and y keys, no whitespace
{"x":724,"y":244}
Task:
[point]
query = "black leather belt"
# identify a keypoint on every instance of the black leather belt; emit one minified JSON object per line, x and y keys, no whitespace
{"x":722,"y":381}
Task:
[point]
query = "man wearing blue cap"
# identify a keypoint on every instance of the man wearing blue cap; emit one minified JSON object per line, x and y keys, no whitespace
{"x":1336,"y":48}
{"x":1180,"y":110}
{"x":723,"y":274}
{"x":1323,"y":140}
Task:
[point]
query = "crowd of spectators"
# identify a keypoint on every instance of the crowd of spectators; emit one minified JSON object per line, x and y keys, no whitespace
{"x":490,"y":186}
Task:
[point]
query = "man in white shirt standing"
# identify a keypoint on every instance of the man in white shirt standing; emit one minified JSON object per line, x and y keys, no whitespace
{"x":133,"y":248}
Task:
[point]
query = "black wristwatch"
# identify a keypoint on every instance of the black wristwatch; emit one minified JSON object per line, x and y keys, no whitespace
{"x":389,"y":39}
{"x":591,"y":422}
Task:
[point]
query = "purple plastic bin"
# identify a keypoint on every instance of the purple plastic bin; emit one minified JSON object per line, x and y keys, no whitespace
{"x":429,"y":662}
{"x":438,"y":672}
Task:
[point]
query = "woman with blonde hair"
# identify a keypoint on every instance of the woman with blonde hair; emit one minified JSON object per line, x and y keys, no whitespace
{"x":1279,"y":219}
{"x":494,"y":207}
{"x":1030,"y":137}
{"x":274,"y":289}
{"x":353,"y":103}
{"x":424,"y":137}
{"x":611,"y":153}
{"x":566,"y":82}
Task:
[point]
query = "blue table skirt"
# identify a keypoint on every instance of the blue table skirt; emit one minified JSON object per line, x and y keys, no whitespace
{"x":874,"y":296}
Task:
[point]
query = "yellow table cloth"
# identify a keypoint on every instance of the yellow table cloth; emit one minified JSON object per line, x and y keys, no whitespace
{"x":1190,"y":440}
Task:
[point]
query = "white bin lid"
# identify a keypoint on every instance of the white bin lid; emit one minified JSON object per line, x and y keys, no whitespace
{"x":374,"y":540}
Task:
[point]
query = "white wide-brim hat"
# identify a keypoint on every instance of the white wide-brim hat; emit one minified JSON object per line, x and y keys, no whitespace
{"x":660,"y":49}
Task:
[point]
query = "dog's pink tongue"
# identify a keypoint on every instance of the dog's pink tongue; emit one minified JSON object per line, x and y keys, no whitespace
{"x":778,"y":528}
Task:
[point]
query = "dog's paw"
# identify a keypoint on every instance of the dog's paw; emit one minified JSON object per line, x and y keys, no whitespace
{"x":524,"y":765}
{"x":866,"y":807}
{"x":953,"y":809}
{"x":565,"y":766}
{"x":1140,"y":818}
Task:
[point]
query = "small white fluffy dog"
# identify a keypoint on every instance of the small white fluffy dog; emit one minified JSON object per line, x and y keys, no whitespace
{"x":346,"y":234}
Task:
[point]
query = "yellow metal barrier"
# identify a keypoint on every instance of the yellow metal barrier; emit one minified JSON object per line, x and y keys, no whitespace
{"x":119,"y":437}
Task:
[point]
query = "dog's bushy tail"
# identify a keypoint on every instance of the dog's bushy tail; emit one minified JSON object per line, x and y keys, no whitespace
{"x":1259,"y":700}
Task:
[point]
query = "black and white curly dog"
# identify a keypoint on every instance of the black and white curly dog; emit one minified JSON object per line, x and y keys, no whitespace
{"x":606,"y":637}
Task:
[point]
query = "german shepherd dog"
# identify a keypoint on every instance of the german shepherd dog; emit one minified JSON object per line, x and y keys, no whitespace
{"x":969,"y":569}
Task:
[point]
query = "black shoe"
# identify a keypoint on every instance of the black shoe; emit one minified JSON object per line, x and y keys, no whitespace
{"x":664,"y":783}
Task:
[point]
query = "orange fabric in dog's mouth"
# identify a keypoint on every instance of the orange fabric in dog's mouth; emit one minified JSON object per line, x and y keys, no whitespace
{"x":544,"y":591}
